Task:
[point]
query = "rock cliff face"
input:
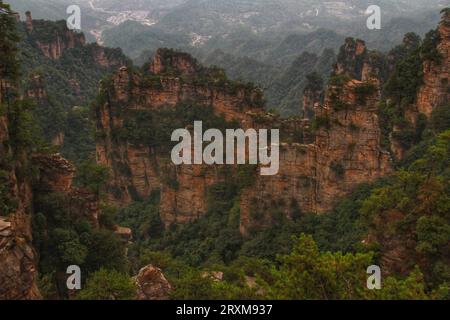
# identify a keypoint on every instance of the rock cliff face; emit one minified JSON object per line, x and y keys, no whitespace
{"x":187,"y":200}
{"x":52,"y":40}
{"x":102,"y":57}
{"x":315,"y":167}
{"x":344,"y":154}
{"x":23,"y":174}
{"x":137,"y":169}
{"x":348,"y":150}
{"x":399,"y":254}
{"x":18,"y":259}
{"x":179,"y":83}
{"x":357,"y":62}
{"x":165,"y":61}
{"x":311,"y":99}
{"x":63,"y":42}
{"x":435,"y":90}
{"x":55,"y":80}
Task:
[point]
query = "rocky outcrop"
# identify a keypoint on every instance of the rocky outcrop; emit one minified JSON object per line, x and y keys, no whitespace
{"x":123,"y":233}
{"x":288,"y":193}
{"x":100,"y":56}
{"x":311,"y":100}
{"x":351,"y":58}
{"x":357,"y":62}
{"x":52,"y":38}
{"x":397,"y":248}
{"x":156,"y":91}
{"x":56,"y":175}
{"x":312,"y":177}
{"x":137,"y":169}
{"x":55,"y":48}
{"x":435,"y":90}
{"x":187,"y":200}
{"x":170,"y":61}
{"x":316,"y":168}
{"x":18,"y":260}
{"x":18,"y":166}
{"x":106,"y":57}
{"x":151,"y":284}
{"x":348,"y":143}
{"x":84,"y":204}
{"x":312,"y":95}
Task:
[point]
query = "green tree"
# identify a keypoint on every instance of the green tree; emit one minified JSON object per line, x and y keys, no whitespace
{"x":413,"y":209}
{"x":107,"y":285}
{"x":106,"y":250}
{"x":9,"y":64}
{"x":192,"y":286}
{"x":440,"y":119}
{"x":410,"y":288}
{"x":47,"y":287}
{"x":306,"y":273}
{"x":93,"y":177}
{"x":67,"y":246}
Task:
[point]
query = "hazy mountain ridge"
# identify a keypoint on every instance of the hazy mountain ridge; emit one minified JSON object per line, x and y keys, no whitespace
{"x":269,"y":35}
{"x":202,"y":19}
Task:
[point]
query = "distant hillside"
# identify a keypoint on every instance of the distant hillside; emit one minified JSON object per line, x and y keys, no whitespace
{"x":61,"y":73}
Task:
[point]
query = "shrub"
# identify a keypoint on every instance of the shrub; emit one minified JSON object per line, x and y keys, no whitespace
{"x":429,"y":49}
{"x":93,"y":177}
{"x":7,"y":204}
{"x":440,"y":119}
{"x":107,"y":285}
{"x":364,"y":91}
{"x":339,"y":80}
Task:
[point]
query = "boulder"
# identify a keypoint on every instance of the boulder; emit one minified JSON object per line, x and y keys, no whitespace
{"x":152,"y":284}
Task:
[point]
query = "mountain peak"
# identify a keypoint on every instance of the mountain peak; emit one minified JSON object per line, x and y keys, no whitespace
{"x":173,"y":61}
